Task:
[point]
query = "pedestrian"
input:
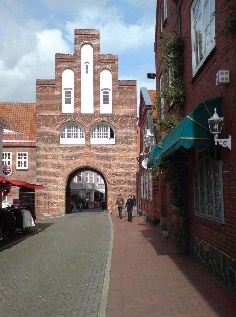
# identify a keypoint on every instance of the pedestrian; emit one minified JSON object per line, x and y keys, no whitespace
{"x":79,"y":203}
{"x":120,"y":204}
{"x":129,"y":205}
{"x":134,"y":206}
{"x":83,"y":202}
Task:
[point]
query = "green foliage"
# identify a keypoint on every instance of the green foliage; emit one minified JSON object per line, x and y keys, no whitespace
{"x":173,"y":177}
{"x":168,"y":123}
{"x":173,"y":62}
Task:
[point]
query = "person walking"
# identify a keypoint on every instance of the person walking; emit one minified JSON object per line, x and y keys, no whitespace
{"x":134,"y":205}
{"x":79,"y":203}
{"x":129,"y":205}
{"x":120,"y":204}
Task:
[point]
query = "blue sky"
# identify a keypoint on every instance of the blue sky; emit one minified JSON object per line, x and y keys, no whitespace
{"x":32,"y":32}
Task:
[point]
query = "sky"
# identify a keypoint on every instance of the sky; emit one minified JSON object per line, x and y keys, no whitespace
{"x":33,"y":31}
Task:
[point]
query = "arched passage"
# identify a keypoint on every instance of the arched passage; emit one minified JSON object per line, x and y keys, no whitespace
{"x":85,"y":187}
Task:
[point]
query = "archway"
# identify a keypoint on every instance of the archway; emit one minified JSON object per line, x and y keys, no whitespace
{"x":86,"y":182}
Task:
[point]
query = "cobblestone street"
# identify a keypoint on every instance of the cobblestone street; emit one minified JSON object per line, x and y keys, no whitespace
{"x":59,"y":271}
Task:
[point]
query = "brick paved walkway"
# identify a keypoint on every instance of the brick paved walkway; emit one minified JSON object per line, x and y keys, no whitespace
{"x":149,"y":279}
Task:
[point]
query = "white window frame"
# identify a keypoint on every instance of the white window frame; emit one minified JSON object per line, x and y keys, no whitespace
{"x":161,"y":19}
{"x":202,"y":31}
{"x":100,"y":179}
{"x":22,"y":160}
{"x":106,"y":97}
{"x":165,"y":10}
{"x":162,"y":105}
{"x":68,"y":96}
{"x":102,"y":133}
{"x":7,"y":158}
{"x":72,"y":133}
{"x":208,"y":189}
{"x":87,"y":177}
{"x":91,"y":177}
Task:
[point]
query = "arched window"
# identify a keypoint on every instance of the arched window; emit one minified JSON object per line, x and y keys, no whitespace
{"x":68,"y":91}
{"x":72,"y":133}
{"x":106,"y":92}
{"x":102,"y":133}
{"x":106,"y":97}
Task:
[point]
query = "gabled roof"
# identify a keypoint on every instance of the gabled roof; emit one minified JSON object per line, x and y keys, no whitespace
{"x":20,"y":117}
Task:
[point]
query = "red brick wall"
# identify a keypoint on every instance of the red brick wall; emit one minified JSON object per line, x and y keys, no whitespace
{"x":56,"y":163}
{"x":199,"y":88}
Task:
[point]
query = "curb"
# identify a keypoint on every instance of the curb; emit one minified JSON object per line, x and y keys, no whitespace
{"x":106,"y":282}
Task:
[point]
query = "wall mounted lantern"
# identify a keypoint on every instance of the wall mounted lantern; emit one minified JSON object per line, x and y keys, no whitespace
{"x":151,"y":75}
{"x":215,"y":126}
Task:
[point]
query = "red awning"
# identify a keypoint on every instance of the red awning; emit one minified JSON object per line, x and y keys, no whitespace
{"x":3,"y":179}
{"x":23,"y":184}
{"x":34,"y":186}
{"x":17,"y":183}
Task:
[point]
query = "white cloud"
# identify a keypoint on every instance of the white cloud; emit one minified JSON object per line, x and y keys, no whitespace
{"x":31,"y":35}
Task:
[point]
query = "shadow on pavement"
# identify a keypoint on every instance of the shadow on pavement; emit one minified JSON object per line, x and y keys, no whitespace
{"x":218,"y":296}
{"x":20,"y":236}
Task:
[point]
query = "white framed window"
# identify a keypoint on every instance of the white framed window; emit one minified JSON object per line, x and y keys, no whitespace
{"x":67,"y":97}
{"x":105,"y":96}
{"x":87,"y":177}
{"x":162,"y":108}
{"x":22,"y":160}
{"x":165,"y":10}
{"x":100,"y":179}
{"x":202,"y":31}
{"x":7,"y":158}
{"x":161,"y":19}
{"x":102,"y":133}
{"x":91,"y":177}
{"x":67,"y":91}
{"x":208,"y":188}
{"x":72,"y":133}
{"x":78,"y":178}
{"x":106,"y":91}
{"x":150,"y":186}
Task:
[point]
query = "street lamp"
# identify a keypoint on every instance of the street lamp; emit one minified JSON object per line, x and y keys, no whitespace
{"x":215,"y":127}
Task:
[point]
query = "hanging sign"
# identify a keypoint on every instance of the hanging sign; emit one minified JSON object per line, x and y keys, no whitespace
{"x":7,"y":170}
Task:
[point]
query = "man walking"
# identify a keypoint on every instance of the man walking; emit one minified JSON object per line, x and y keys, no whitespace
{"x":120,"y":204}
{"x":129,"y":205}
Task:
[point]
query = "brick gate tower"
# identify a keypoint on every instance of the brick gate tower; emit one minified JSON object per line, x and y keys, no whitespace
{"x":86,"y":120}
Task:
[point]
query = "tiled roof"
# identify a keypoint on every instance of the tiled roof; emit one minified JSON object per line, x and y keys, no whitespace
{"x":152,"y":95}
{"x":21,"y":117}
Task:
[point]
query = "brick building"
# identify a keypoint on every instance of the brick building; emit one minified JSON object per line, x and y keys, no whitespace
{"x":195,"y":54}
{"x":147,"y":186}
{"x":85,"y":120}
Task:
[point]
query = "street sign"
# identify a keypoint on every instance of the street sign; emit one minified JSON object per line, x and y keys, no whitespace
{"x":7,"y":170}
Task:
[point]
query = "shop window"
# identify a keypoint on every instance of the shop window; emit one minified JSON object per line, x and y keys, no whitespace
{"x":208,"y":188}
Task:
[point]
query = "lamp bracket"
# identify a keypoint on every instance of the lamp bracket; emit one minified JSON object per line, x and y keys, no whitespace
{"x":224,"y":142}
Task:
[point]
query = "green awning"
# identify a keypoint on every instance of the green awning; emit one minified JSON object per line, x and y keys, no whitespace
{"x":154,"y":155}
{"x":193,"y":131}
